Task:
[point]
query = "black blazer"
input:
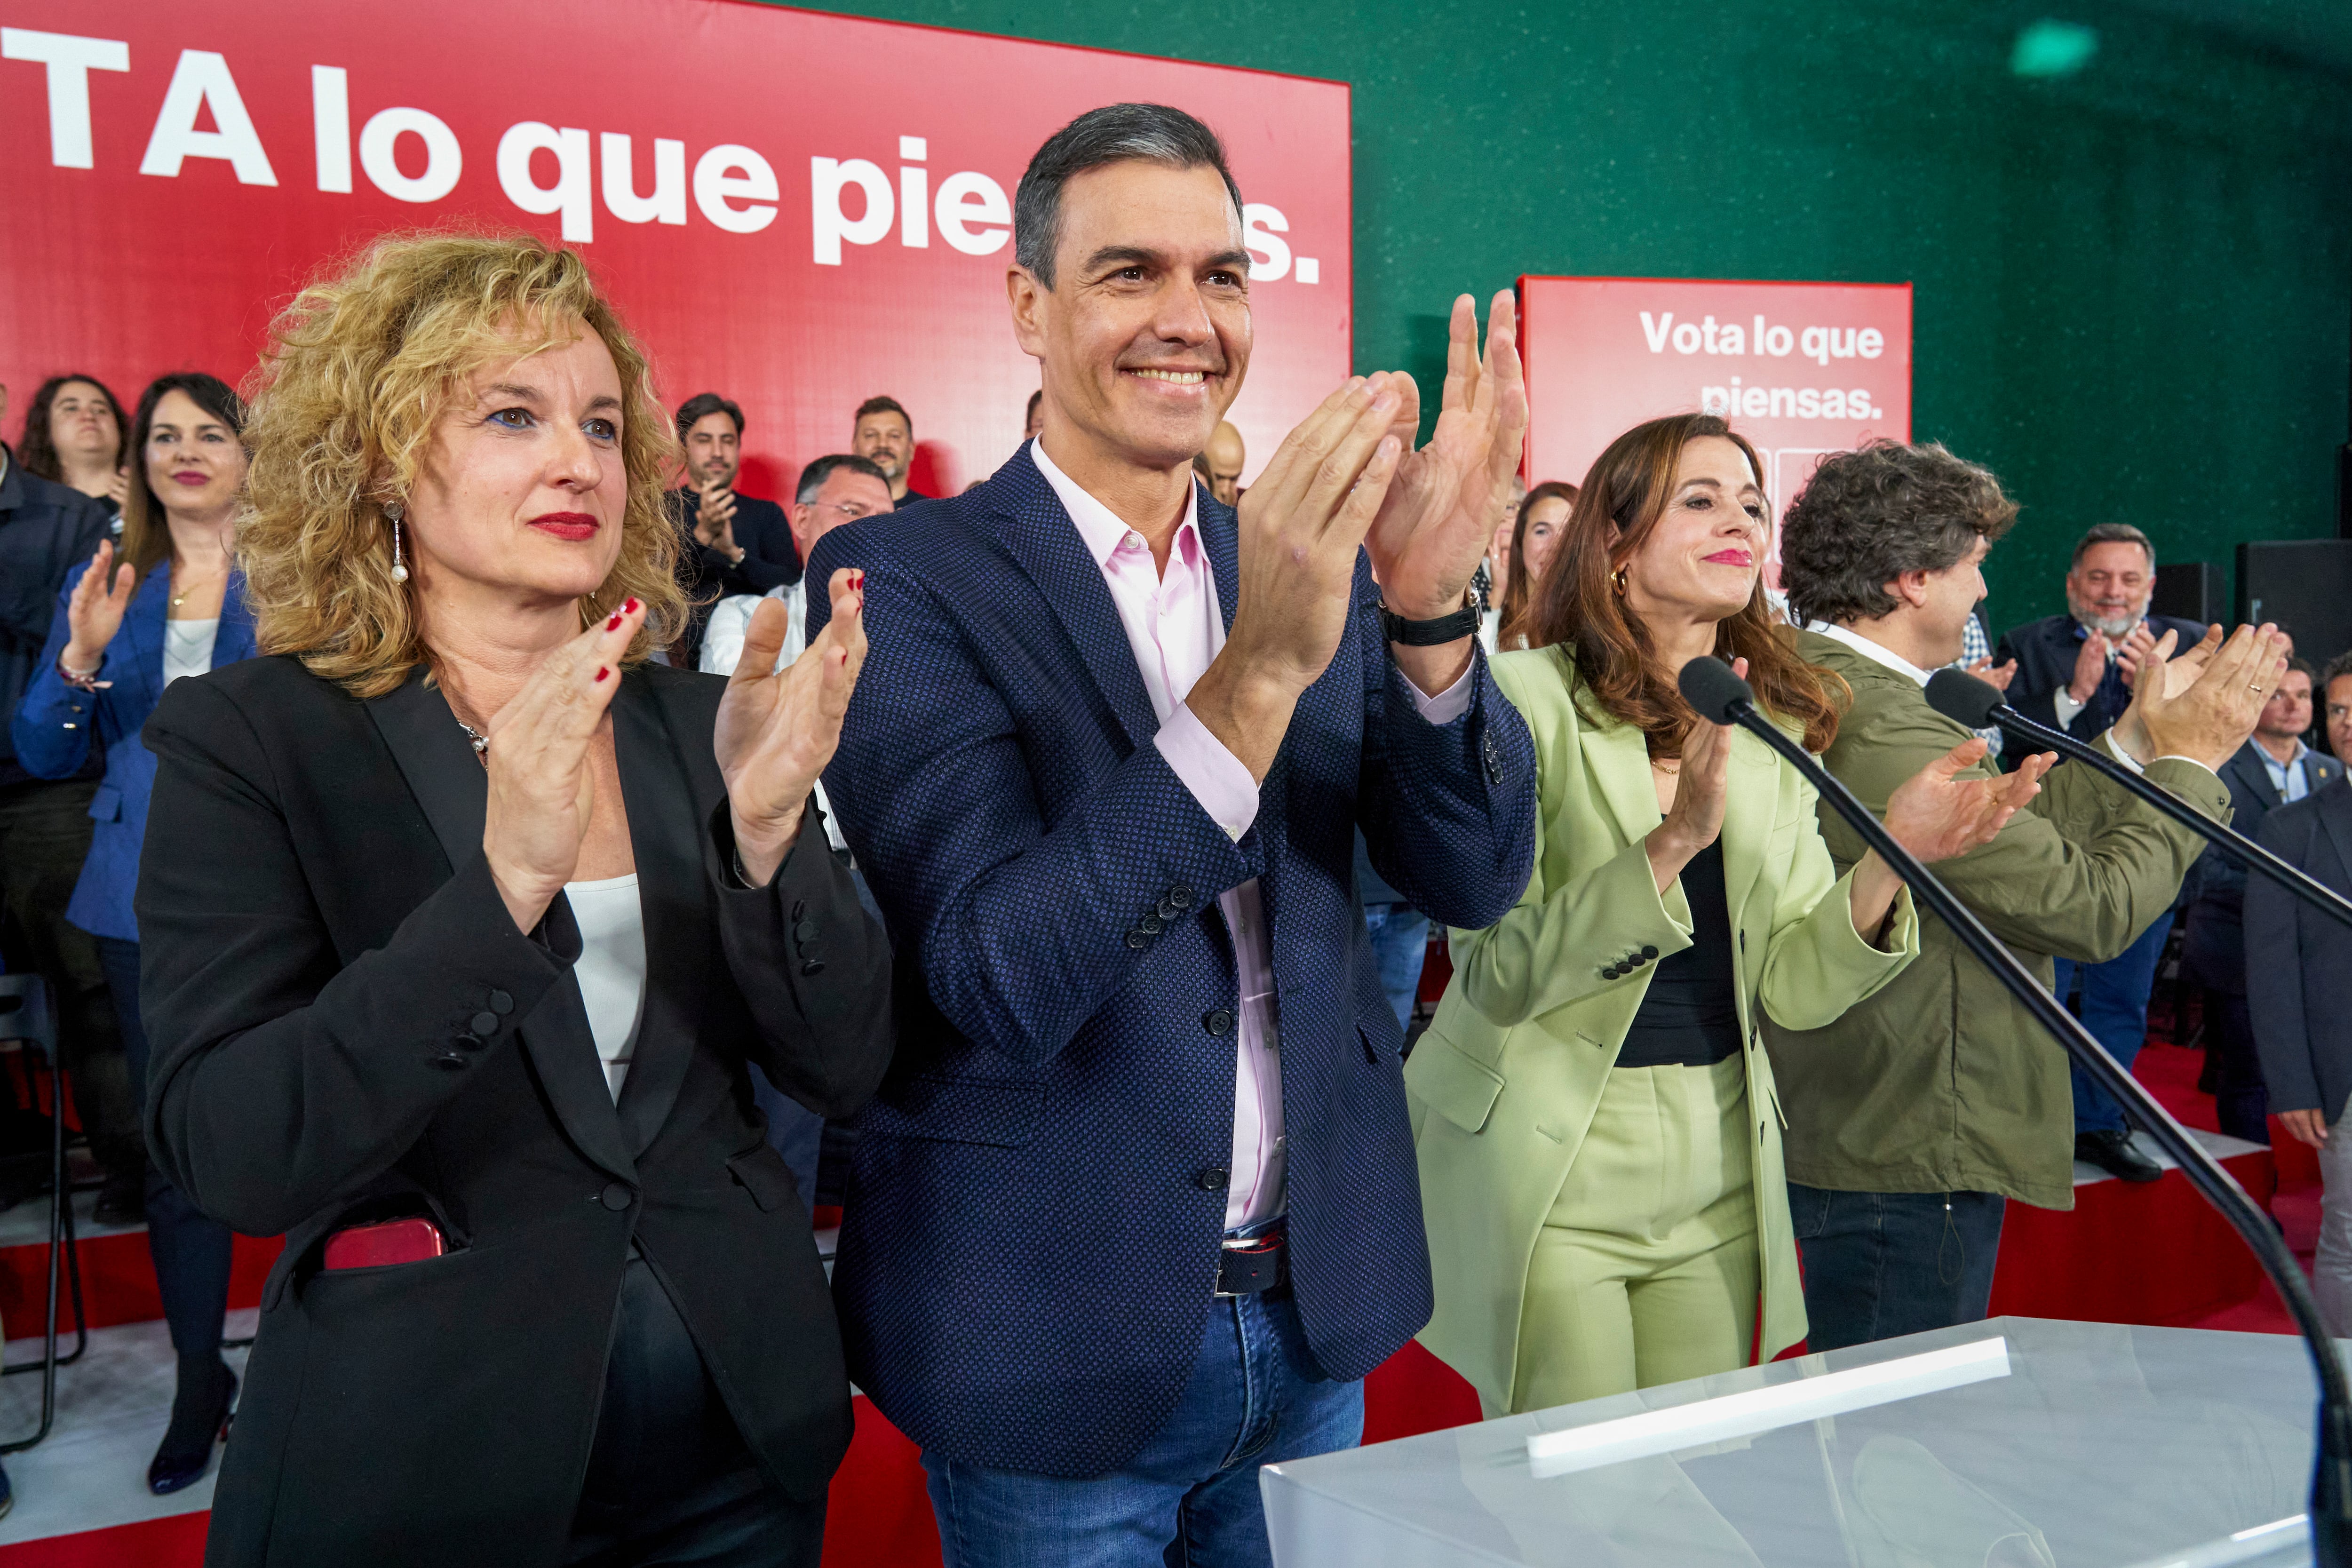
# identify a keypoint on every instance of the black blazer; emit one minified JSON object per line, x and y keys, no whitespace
{"x":770,"y":560}
{"x":46,"y":530}
{"x":2045,"y":651}
{"x":2303,"y":1025}
{"x":2215,"y":944}
{"x":345,"y":1019}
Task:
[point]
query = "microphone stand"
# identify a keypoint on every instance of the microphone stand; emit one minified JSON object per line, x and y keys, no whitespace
{"x":2236,"y":846}
{"x":2331,"y":1481}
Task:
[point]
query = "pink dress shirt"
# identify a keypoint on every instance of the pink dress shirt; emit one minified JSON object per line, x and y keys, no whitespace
{"x":1175,"y":627}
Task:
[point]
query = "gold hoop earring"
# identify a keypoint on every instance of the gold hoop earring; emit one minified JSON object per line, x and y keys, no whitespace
{"x":1617,"y":581}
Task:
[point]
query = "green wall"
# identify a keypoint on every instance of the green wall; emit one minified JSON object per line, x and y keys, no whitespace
{"x":2134,"y":283}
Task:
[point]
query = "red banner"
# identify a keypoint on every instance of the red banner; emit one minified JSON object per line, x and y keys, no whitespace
{"x":796,"y":210}
{"x":1800,"y":369}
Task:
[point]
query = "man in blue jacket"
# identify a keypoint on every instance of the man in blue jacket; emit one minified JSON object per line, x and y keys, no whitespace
{"x":1136,"y":1209}
{"x":46,"y":530}
{"x":2075,"y":672}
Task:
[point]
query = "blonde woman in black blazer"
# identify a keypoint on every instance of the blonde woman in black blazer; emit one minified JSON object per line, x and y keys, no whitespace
{"x":471,"y":918}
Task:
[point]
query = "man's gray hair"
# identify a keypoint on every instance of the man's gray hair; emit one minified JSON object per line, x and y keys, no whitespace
{"x":812,"y":478}
{"x":2115,"y":533}
{"x":1118,"y":133}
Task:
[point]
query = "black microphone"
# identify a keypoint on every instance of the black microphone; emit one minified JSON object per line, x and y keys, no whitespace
{"x":1720,"y":697}
{"x":1965,"y":700}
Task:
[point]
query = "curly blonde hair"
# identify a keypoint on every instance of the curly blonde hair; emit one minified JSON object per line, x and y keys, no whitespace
{"x":361,"y":367}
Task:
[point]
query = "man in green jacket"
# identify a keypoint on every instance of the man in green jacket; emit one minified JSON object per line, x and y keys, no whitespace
{"x":1916,"y":1115}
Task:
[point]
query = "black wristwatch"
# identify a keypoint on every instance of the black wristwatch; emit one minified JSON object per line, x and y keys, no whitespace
{"x":1461,"y":624}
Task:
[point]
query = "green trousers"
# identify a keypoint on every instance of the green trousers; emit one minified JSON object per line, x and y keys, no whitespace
{"x":1647,"y":1269}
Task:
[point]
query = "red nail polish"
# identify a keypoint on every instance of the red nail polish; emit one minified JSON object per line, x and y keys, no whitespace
{"x":630,"y":608}
{"x":603,"y":670}
{"x":614,"y":624}
{"x":858,"y":578}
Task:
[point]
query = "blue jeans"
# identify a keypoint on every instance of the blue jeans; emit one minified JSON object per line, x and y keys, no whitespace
{"x":1190,"y":1499}
{"x":1399,"y":936}
{"x":2114,"y":1009}
{"x":1878,"y":1265}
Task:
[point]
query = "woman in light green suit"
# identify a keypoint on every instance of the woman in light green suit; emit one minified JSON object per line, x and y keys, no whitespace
{"x":1598,"y":1140}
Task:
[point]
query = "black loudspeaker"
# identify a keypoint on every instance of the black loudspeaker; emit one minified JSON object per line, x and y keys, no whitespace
{"x":2189,"y":589}
{"x":2303,"y":584}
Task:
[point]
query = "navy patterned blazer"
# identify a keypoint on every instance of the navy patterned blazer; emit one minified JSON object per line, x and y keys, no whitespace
{"x":1038,"y":1196}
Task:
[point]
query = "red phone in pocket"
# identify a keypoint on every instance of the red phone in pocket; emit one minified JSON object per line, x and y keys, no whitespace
{"x":410,"y":1240}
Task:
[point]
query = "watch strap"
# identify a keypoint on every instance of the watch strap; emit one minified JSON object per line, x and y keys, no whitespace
{"x":1453,"y":627}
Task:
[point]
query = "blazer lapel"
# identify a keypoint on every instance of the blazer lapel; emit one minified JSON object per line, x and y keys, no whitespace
{"x":1220,"y":534}
{"x":664,"y":831}
{"x":1748,"y":808}
{"x":442,"y":771}
{"x":2246,"y":771}
{"x":1046,"y":542}
{"x":235,"y":640}
{"x":1617,"y":760}
{"x":142,"y":633}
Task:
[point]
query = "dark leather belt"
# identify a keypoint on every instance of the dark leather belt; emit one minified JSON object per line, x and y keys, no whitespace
{"x":1252,"y":1266}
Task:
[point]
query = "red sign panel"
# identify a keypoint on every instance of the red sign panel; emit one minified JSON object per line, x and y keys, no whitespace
{"x":796,"y":210}
{"x":1800,"y":369}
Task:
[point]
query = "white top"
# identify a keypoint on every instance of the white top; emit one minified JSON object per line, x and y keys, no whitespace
{"x":188,"y":648}
{"x":731,"y":617}
{"x":612,"y":969}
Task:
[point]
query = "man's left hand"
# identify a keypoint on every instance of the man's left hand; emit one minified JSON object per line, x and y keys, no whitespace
{"x":1447,"y":498}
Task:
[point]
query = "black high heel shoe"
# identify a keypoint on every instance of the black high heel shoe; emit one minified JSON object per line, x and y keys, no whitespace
{"x":201,"y":1413}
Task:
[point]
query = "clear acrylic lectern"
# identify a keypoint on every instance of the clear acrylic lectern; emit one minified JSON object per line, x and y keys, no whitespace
{"x":2017,"y":1443}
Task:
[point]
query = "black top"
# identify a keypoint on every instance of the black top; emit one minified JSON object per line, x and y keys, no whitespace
{"x":1690,"y":1016}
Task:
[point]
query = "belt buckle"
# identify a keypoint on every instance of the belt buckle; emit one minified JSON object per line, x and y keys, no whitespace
{"x":1271,"y":1241}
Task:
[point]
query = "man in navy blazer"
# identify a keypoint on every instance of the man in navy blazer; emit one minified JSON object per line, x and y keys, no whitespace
{"x":2302,"y":1012}
{"x":2075,"y":672}
{"x":1135,"y":1208}
{"x":2272,"y":770}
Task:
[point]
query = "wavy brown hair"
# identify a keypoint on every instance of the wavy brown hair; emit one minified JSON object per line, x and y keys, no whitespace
{"x":1579,"y":608}
{"x":361,"y":367}
{"x":1518,"y":597}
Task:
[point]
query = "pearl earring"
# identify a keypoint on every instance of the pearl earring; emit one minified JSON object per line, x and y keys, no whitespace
{"x":392,"y":511}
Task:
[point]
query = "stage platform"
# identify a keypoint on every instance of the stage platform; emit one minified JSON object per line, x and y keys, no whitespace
{"x":2147,"y":1254}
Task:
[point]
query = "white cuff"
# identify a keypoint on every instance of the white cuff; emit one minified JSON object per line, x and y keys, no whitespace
{"x":2064,"y":701}
{"x":1216,"y":777}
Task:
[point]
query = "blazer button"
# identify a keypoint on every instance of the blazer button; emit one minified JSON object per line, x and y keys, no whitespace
{"x":483,"y":1022}
{"x":1170,"y":909}
{"x":1137,"y":940}
{"x":448,"y":1061}
{"x":501,"y":1003}
{"x":813,"y":966}
{"x":615,"y":1196}
{"x":1182,"y":895}
{"x":467,"y":1042}
{"x":1611,"y":972}
{"x":1218,"y":1022}
{"x":1649,"y":953}
{"x":807,"y":931}
{"x":1150,"y":925}
{"x":1212,"y":1179}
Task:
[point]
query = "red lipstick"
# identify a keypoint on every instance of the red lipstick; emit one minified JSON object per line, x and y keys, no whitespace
{"x":1732,"y":558}
{"x":568,"y":525}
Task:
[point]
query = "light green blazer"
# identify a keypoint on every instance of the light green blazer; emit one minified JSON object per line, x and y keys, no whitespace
{"x":1504,"y":1083}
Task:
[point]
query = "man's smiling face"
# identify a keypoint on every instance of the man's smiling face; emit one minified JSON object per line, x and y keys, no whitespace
{"x":1145,"y":335}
